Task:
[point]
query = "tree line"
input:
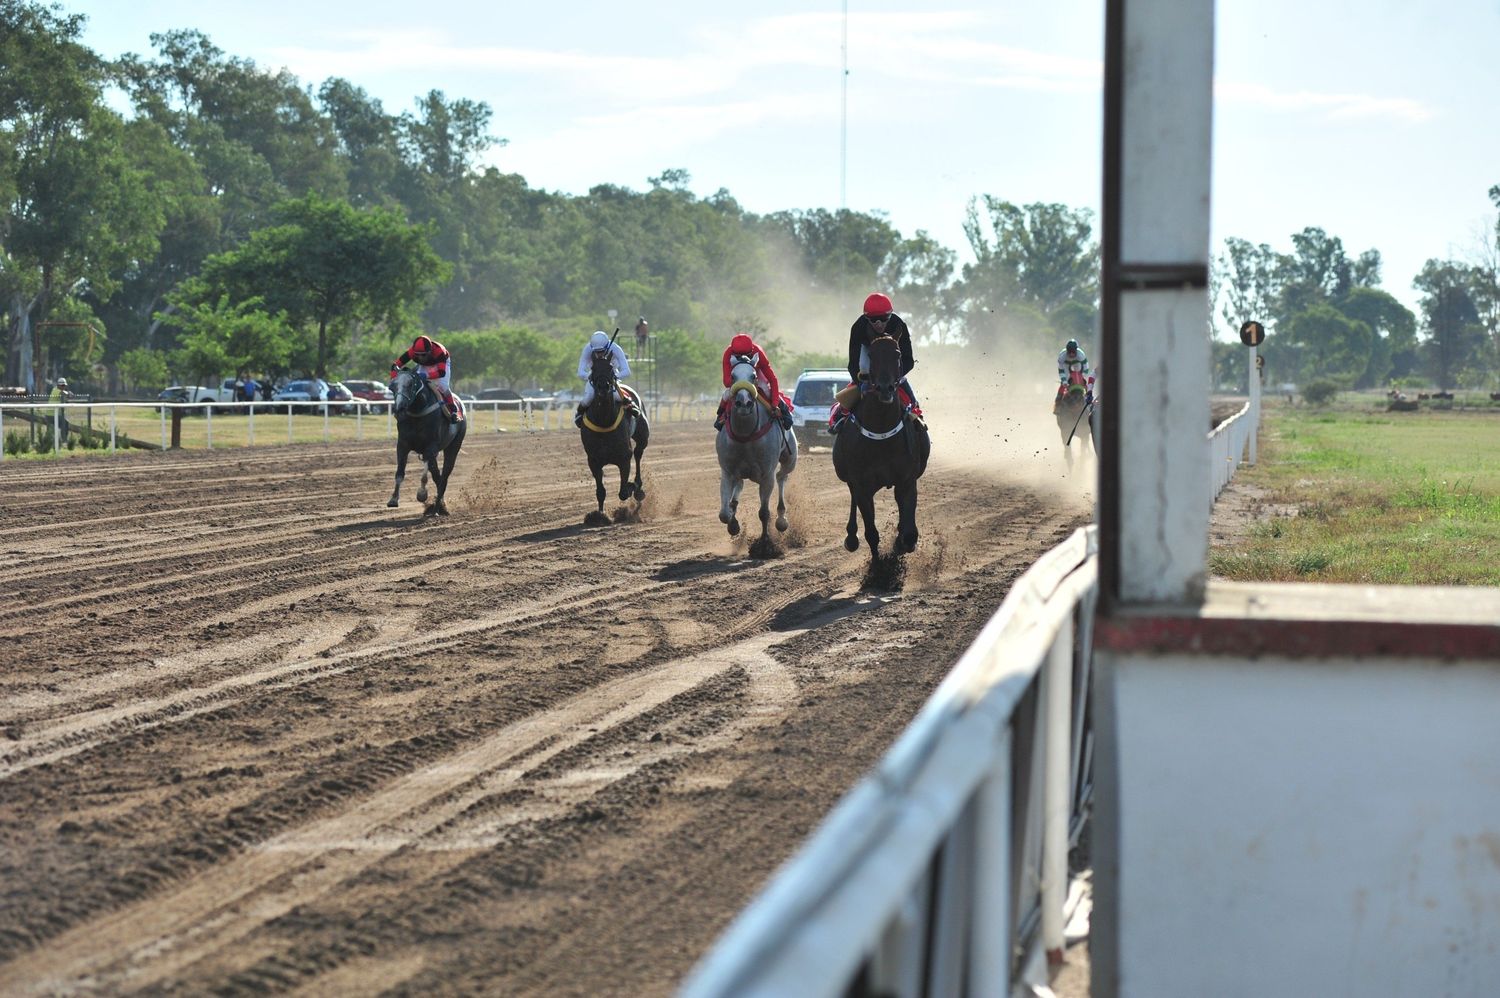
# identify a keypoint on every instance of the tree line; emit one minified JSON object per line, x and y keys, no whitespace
{"x":233,"y":218}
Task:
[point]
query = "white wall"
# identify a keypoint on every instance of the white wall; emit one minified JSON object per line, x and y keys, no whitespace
{"x":1312,"y":827}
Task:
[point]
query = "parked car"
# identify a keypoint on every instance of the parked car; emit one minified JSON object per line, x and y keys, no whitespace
{"x":506,"y":395}
{"x":302,"y":390}
{"x":812,"y":399}
{"x":567,"y":396}
{"x":193,"y":393}
{"x":371,"y":391}
{"x":339,"y":392}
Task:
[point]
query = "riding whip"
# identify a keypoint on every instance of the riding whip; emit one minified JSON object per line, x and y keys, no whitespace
{"x":1077,"y":421}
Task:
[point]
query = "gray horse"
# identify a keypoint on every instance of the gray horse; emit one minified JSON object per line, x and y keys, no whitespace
{"x":753,"y":446}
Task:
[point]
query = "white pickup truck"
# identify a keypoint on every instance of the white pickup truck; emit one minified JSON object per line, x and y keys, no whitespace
{"x":196,"y":393}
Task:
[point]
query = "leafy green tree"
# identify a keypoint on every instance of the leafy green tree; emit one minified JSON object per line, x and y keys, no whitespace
{"x":143,"y":369}
{"x":1455,"y":342}
{"x":75,"y":208}
{"x":1039,"y":255}
{"x":687,"y":363}
{"x":1333,"y":346}
{"x":223,"y":338}
{"x":328,"y":266}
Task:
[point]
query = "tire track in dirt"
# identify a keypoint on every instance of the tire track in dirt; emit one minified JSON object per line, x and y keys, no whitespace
{"x":139,"y":946}
{"x":324,"y":744}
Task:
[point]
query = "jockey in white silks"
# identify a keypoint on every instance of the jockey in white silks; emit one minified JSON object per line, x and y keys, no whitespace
{"x":599,"y":343}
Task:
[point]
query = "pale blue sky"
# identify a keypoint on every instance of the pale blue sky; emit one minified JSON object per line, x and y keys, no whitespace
{"x":1374,"y":120}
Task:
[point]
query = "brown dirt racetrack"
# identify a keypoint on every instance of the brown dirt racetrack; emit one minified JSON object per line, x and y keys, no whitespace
{"x":259,"y":733}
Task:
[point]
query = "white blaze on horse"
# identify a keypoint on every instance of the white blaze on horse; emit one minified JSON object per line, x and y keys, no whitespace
{"x":753,"y":447}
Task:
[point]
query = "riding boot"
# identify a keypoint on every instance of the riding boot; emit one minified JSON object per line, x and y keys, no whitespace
{"x":578,"y":417}
{"x":786,"y":414}
{"x":719,"y":418}
{"x":450,"y":410}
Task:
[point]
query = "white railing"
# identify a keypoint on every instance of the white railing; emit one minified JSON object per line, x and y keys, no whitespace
{"x":944,"y":872}
{"x":263,"y":422}
{"x":1227,"y":443}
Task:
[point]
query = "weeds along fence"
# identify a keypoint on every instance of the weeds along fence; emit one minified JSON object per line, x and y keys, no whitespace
{"x":56,"y":428}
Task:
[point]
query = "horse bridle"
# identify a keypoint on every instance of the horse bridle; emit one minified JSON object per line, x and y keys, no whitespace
{"x":410,"y":394}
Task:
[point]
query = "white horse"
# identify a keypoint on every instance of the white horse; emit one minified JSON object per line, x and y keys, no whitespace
{"x":753,"y":446}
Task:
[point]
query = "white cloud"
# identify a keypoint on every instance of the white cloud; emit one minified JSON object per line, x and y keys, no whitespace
{"x":1335,"y":106}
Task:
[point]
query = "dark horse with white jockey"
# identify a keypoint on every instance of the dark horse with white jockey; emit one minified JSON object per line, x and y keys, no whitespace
{"x":613,"y":434}
{"x":881,"y":446}
{"x":422,"y":427}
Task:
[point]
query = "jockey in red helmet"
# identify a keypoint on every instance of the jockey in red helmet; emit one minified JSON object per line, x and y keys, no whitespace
{"x":435,"y":364}
{"x":744,"y":349}
{"x":877,"y":319}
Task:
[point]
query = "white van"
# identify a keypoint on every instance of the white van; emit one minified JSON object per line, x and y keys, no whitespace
{"x":812,"y":399}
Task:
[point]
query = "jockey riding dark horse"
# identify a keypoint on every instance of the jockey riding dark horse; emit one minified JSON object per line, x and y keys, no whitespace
{"x":881,"y":444}
{"x":613,"y":420}
{"x":422,"y":426}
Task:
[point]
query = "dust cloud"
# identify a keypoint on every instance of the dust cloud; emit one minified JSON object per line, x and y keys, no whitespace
{"x":992,"y":420}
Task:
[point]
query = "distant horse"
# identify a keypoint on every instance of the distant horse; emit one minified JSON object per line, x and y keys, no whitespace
{"x":422,"y":427}
{"x":1075,"y":422}
{"x":609,"y":431}
{"x":880,"y":446}
{"x":753,"y":446}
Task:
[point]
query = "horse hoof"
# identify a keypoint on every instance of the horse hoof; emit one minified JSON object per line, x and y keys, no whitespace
{"x":734,"y":528}
{"x":422,"y":496}
{"x":640,"y":494}
{"x":781,"y":524}
{"x":851,"y":544}
{"x":392,"y":504}
{"x":724,"y":516}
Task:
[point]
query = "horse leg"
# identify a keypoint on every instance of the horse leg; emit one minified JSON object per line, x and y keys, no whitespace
{"x":598,"y":471}
{"x":642,"y":438}
{"x":906,"y":521}
{"x":430,"y":472}
{"x":400,"y":476}
{"x":867,"y":512}
{"x":450,"y":458}
{"x":766,"y":485}
{"x":727,"y":492}
{"x":626,"y":489}
{"x":784,"y":465}
{"x":851,"y":539}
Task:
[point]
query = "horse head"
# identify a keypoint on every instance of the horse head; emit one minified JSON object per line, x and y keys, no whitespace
{"x":407,"y":390}
{"x":602,"y":374}
{"x":885,"y":366}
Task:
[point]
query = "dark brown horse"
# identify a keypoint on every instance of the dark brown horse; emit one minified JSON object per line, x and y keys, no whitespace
{"x":612,"y":435}
{"x":422,"y":427}
{"x":881,"y":446}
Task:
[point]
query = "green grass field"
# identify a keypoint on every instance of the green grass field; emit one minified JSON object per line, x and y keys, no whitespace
{"x":1363,"y":495}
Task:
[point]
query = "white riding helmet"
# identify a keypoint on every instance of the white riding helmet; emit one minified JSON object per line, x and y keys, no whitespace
{"x":599,"y":341}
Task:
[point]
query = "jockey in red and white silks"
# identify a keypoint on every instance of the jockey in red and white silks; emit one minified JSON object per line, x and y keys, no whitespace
{"x":743,"y":349}
{"x":436,"y":365}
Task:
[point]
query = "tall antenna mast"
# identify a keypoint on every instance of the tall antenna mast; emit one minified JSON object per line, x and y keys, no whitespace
{"x":844,"y":139}
{"x":844,"y":114}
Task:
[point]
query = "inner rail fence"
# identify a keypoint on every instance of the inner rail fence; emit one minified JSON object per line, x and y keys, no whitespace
{"x":945,"y":872}
{"x":191,"y":425}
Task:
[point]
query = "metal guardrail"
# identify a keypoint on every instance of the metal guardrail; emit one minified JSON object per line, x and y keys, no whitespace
{"x":944,"y":872}
{"x":535,"y":415}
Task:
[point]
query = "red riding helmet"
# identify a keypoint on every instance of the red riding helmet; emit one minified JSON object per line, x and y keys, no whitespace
{"x":742,"y":343}
{"x":877,"y":304}
{"x":421,"y":347}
